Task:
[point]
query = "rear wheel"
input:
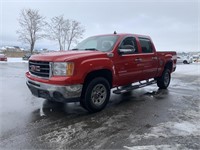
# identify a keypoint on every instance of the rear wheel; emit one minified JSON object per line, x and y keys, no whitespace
{"x":96,"y":95}
{"x":164,"y":80}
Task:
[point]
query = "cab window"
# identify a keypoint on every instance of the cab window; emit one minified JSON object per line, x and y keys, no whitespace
{"x":146,"y":45}
{"x":128,"y":45}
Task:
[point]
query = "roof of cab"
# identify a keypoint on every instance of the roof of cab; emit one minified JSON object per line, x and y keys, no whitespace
{"x":125,"y":34}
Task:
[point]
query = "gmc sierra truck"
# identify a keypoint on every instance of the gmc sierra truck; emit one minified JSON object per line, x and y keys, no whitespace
{"x":87,"y":73}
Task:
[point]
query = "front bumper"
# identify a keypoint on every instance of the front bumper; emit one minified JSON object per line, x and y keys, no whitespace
{"x":70,"y":93}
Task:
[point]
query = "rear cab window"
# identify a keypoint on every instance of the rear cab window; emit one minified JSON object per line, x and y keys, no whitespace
{"x":146,"y":45}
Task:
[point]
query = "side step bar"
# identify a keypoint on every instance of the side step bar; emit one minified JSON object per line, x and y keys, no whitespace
{"x":133,"y":87}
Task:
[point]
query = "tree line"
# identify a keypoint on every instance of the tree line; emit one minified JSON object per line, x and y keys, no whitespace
{"x":34,"y":27}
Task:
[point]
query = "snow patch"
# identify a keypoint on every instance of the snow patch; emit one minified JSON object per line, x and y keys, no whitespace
{"x":185,"y":128}
{"x":64,"y":135}
{"x":180,"y":128}
{"x":188,"y":69}
{"x":154,"y":147}
{"x":173,"y":129}
{"x":170,"y":129}
{"x":16,"y":60}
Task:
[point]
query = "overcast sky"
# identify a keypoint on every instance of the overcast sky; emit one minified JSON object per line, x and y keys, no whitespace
{"x":172,"y":24}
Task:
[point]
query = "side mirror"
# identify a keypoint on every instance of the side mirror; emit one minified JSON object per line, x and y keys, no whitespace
{"x":126,"y":49}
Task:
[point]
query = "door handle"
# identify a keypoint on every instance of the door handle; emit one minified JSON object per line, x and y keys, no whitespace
{"x":138,"y":59}
{"x":154,"y":58}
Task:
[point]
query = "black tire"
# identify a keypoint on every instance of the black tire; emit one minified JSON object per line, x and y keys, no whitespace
{"x":185,"y":62}
{"x":96,"y":95}
{"x":164,"y":81}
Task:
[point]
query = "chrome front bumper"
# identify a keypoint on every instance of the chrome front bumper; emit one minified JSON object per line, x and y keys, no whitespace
{"x":70,"y":93}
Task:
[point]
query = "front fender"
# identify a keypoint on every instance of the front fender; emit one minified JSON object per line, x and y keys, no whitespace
{"x":94,"y":64}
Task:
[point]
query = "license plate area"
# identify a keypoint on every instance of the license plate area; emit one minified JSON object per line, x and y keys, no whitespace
{"x":43,"y":94}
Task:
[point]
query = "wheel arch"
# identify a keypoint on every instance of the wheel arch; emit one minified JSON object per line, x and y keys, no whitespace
{"x":169,"y":65}
{"x":105,"y":73}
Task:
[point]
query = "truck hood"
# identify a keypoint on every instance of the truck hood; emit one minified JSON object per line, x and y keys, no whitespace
{"x":66,"y":55}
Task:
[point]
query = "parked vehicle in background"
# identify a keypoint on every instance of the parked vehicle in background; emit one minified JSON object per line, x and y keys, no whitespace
{"x":184,"y":59}
{"x":196,"y":58}
{"x":26,"y":56}
{"x":3,"y":57}
{"x":88,"y":72}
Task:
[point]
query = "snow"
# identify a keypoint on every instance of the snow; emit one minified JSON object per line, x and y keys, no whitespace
{"x":188,"y":69}
{"x":16,"y":60}
{"x":153,"y":147}
{"x":171,"y":129}
{"x":65,"y":134}
{"x":166,"y":130}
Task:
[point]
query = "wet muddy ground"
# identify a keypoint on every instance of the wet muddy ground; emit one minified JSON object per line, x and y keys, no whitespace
{"x":146,"y":118}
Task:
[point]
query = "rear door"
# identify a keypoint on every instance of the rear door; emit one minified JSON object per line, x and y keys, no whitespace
{"x":149,"y":58}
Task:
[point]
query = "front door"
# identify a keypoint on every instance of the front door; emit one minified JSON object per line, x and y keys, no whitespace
{"x":128,"y":66}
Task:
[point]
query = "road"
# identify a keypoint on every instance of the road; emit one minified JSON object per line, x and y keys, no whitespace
{"x":146,"y":118}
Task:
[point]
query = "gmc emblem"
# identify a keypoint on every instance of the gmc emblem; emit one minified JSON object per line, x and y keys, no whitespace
{"x":35,"y":68}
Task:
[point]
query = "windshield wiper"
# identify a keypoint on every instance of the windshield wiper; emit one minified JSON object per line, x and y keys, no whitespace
{"x":92,"y":49}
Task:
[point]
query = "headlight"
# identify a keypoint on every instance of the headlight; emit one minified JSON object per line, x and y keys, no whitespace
{"x":63,"y":68}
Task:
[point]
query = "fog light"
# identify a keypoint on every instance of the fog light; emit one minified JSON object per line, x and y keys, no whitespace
{"x":74,"y":88}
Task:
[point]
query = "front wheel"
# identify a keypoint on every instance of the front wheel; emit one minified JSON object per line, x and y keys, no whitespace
{"x":97,"y":95}
{"x":164,"y":80}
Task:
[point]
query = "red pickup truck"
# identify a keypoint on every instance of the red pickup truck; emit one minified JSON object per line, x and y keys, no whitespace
{"x":98,"y":64}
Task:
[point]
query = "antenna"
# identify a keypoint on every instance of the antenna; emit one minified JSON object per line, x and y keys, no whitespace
{"x":115,"y":32}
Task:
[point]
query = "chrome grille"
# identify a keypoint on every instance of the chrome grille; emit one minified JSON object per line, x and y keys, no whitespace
{"x":40,"y":68}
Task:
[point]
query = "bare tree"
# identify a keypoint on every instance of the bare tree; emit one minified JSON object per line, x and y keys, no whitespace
{"x":58,"y":29}
{"x":64,"y":31}
{"x":76,"y":32}
{"x":31,"y":23}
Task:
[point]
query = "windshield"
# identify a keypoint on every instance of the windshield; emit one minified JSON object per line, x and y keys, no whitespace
{"x":103,"y":43}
